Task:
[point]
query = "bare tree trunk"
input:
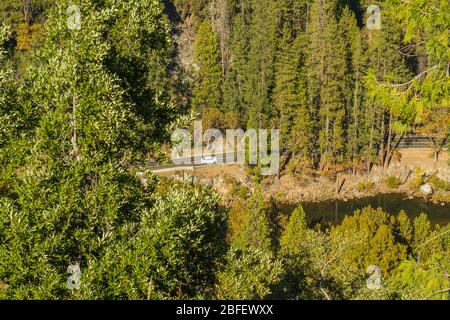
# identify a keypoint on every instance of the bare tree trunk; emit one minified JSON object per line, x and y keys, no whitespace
{"x":27,"y":9}
{"x":388,"y":151}
{"x":369,"y":160}
{"x":438,"y":147}
{"x":355,"y":124}
{"x":221,"y":22}
{"x":395,"y":148}
{"x":383,"y":140}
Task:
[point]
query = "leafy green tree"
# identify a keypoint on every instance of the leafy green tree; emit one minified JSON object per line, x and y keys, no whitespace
{"x":249,"y":274}
{"x":174,"y":252}
{"x":7,"y":118}
{"x":414,"y":282}
{"x":69,"y":200}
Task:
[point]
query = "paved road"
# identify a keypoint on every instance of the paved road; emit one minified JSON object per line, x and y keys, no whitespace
{"x":188,"y":163}
{"x":415,"y":142}
{"x":405,"y":143}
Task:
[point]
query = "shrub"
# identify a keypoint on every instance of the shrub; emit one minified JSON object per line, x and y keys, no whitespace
{"x":440,"y":184}
{"x":418,"y":181}
{"x":393,"y":182}
{"x":365,"y":185}
{"x":441,"y":197}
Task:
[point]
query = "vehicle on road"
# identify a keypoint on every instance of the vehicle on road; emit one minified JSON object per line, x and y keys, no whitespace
{"x":209,"y":160}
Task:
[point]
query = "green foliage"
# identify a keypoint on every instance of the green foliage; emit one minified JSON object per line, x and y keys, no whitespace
{"x":8,"y":120}
{"x":418,"y":179}
{"x":365,"y":186}
{"x":129,"y":244}
{"x":413,"y":282}
{"x":88,"y":102}
{"x":248,"y":274}
{"x":378,"y":243}
{"x":295,"y":256}
{"x":404,"y":227}
{"x":392,"y":182}
{"x":207,"y":86}
{"x":440,"y":184}
{"x":255,"y":230}
{"x":77,"y":106}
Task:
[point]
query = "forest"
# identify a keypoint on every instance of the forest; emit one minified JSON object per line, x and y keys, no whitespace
{"x":90,"y":87}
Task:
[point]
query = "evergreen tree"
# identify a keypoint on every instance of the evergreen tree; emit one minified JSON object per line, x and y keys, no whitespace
{"x":384,"y":60}
{"x":207,"y":87}
{"x":234,"y":98}
{"x":289,"y":96}
{"x":326,"y":73}
{"x":255,"y":230}
{"x":260,"y":69}
{"x":405,"y":228}
{"x":351,"y":85}
{"x":294,"y":253}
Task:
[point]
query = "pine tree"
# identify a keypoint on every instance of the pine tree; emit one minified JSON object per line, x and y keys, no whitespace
{"x":384,"y":251}
{"x":260,"y":68}
{"x":326,"y":73}
{"x":255,"y":231}
{"x":405,"y":228}
{"x":404,"y":96}
{"x":234,"y":98}
{"x":289,"y":96}
{"x":296,"y":233}
{"x":352,"y":82}
{"x":207,"y":87}
{"x":384,"y":60}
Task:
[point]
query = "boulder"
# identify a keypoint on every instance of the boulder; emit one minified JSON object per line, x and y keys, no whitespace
{"x":426,"y":190}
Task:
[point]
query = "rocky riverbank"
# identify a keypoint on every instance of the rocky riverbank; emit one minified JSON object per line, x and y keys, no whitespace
{"x":228,"y":180}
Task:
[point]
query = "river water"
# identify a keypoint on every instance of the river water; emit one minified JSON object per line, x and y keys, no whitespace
{"x":335,"y":211}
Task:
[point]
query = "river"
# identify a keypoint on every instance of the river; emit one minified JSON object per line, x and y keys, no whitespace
{"x":335,"y":211}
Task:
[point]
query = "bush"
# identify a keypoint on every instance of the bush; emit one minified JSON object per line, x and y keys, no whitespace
{"x":441,"y":197}
{"x":440,"y":184}
{"x":365,"y":186}
{"x":393,"y":182}
{"x":418,"y":181}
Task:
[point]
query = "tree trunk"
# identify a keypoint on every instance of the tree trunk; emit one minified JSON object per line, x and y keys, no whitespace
{"x":355,"y":124}
{"x":369,"y":160}
{"x":383,"y":140}
{"x":388,"y":151}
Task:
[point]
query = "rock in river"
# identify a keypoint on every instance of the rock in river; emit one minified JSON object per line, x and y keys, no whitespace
{"x":426,"y":190}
